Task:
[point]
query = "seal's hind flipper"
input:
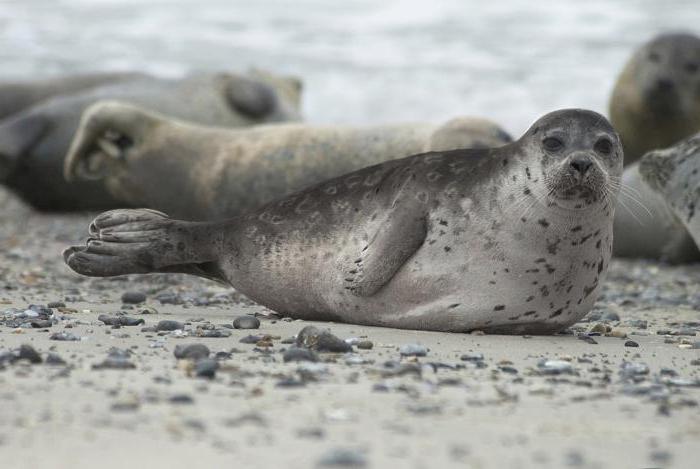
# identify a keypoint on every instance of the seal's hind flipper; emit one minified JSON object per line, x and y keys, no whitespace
{"x":141,"y":241}
{"x":18,"y":134}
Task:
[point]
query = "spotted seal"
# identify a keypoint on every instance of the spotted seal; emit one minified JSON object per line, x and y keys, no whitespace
{"x":198,"y":173}
{"x":674,"y":174}
{"x":514,"y":239}
{"x":34,"y":142}
{"x":656,"y":100}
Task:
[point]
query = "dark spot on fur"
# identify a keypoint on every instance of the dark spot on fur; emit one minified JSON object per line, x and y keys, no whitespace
{"x":556,"y":313}
{"x":576,"y":228}
{"x":526,"y":191}
{"x":529,"y":299}
{"x":499,"y":307}
{"x":529,"y":313}
{"x":543,"y":222}
{"x":447,"y":249}
{"x":454,"y":305}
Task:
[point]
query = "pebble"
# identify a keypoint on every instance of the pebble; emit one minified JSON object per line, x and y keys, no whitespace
{"x":321,"y":341}
{"x":120,"y":320}
{"x":42,"y":324}
{"x":133,"y":297}
{"x":27,"y":352}
{"x":246,"y":322}
{"x":181,"y":399}
{"x":633,"y":369}
{"x":206,"y":368}
{"x":343,"y":458}
{"x":212,"y":333}
{"x":365,"y":345}
{"x":191,"y":351}
{"x":64,"y":336}
{"x":299,"y":354}
{"x":631,"y":343}
{"x":555,"y":367}
{"x":56,"y":304}
{"x":587,"y":339}
{"x":251,"y":339}
{"x":54,"y":359}
{"x":413,"y":350}
{"x":117,"y":359}
{"x":169,"y":325}
{"x":472,"y":357}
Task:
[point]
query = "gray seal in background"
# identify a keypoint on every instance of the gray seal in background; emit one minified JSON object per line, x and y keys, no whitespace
{"x":34,"y":142}
{"x":203,"y":173}
{"x":515,"y":239}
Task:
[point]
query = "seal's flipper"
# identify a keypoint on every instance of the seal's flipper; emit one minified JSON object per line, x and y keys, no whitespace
{"x":18,"y":134}
{"x":107,"y":131}
{"x":391,"y":246}
{"x":142,"y":241}
{"x":250,"y":97}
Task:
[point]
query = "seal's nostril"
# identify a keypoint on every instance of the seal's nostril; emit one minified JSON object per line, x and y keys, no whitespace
{"x":581,"y":164}
{"x":664,"y":84}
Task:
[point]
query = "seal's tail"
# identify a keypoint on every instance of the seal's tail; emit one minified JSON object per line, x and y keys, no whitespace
{"x":143,"y":241}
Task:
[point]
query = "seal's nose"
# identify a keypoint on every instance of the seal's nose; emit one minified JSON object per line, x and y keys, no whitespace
{"x":664,"y":84}
{"x":581,"y":164}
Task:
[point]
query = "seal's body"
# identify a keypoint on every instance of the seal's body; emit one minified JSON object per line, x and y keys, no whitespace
{"x":33,"y":143}
{"x":198,"y":173}
{"x":646,"y":227}
{"x":513,"y":240}
{"x":656,"y":100}
{"x":674,"y":174}
{"x":16,"y":96}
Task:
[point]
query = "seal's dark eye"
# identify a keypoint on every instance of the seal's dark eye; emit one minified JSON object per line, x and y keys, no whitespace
{"x":552,"y":144}
{"x":603,"y":146}
{"x":691,"y":67}
{"x":654,"y":57}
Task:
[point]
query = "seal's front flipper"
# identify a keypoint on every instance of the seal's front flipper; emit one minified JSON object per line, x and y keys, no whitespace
{"x":18,"y":134}
{"x":106,"y":133}
{"x":394,"y":242}
{"x":142,"y":241}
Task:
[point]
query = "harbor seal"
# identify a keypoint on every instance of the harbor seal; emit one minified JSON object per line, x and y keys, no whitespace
{"x":514,"y":239}
{"x":674,"y":174}
{"x":18,"y":95}
{"x":34,"y":142}
{"x":656,"y":100}
{"x":645,"y":226}
{"x":202,"y":173}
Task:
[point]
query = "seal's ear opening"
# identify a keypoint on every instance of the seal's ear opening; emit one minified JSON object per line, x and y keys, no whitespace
{"x":251,"y":98}
{"x":18,"y":134}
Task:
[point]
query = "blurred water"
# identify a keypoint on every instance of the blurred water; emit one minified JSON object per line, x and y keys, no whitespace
{"x":362,"y":61}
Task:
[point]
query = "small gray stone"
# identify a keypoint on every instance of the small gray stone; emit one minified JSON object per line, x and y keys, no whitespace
{"x":472,"y":357}
{"x":64,"y":336}
{"x":120,"y":320}
{"x":54,"y":359}
{"x":27,"y":352}
{"x":631,"y":343}
{"x":169,"y":325}
{"x":321,"y":341}
{"x":133,"y":297}
{"x":191,"y":351}
{"x":343,"y":458}
{"x":299,"y":354}
{"x":413,"y":350}
{"x":246,"y":322}
{"x":206,"y":368}
{"x":555,"y":367}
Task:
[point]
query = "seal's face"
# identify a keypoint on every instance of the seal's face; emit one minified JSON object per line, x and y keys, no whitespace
{"x":580,"y":157}
{"x":675,"y":173}
{"x":668,"y":74}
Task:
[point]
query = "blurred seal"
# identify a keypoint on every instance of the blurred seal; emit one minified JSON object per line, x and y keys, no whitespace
{"x":34,"y":142}
{"x":195,"y":172}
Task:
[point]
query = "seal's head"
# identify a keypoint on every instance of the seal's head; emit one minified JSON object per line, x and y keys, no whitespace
{"x":667,"y":72}
{"x":675,"y":173}
{"x":467,"y":132}
{"x":580,"y":157}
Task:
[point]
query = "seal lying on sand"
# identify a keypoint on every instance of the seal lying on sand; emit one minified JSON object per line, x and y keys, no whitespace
{"x":656,"y":100}
{"x":18,"y":95}
{"x":512,"y":240}
{"x":194,"y":172}
{"x":674,"y":174}
{"x":33,"y":143}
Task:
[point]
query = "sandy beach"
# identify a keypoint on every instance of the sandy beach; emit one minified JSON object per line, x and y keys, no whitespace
{"x":619,"y":389}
